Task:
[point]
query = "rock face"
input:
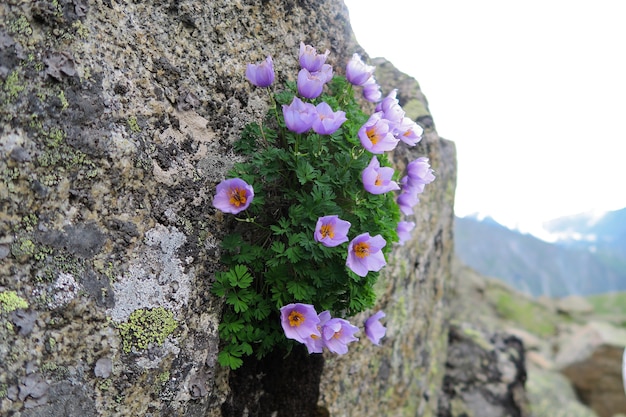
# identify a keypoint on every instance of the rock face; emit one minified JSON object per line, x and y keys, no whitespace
{"x":403,"y":376}
{"x":485,"y":376}
{"x":116,"y":123}
{"x":591,"y":359}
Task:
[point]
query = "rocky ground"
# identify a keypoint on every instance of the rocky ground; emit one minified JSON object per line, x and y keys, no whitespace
{"x":572,"y":354}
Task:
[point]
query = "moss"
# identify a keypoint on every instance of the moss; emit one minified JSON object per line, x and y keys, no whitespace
{"x":105,"y":385}
{"x":21,"y":26}
{"x":10,"y":301}
{"x":133,"y":125}
{"x":64,"y":103}
{"x":145,"y":326}
{"x":12,"y":86}
{"x":164,"y":377}
{"x":23,"y":248}
{"x":415,"y":109}
{"x":81,"y":30}
{"x":525,"y":313}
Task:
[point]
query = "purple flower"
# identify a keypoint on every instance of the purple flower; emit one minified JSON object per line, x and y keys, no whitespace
{"x":310,"y":59}
{"x":391,"y":108}
{"x":376,"y":136}
{"x":337,"y":334}
{"x":331,"y":231}
{"x":299,"y":321}
{"x":262,"y":74}
{"x":315,"y":343}
{"x":377,"y":180}
{"x":364,"y":254}
{"x":326,"y":73}
{"x":233,"y":195}
{"x":373,"y":329}
{"x":408,"y":131}
{"x":408,"y":197}
{"x":419,"y":171}
{"x":371,"y":90}
{"x":310,"y":85}
{"x":326,"y":121}
{"x":299,"y":116}
{"x":404,"y":231}
{"x":357,"y":72}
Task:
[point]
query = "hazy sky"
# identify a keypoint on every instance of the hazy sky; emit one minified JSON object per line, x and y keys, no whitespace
{"x":532,"y":92}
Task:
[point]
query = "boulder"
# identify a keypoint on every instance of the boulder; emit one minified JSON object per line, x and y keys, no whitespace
{"x":591,"y":359}
{"x":117,"y":120}
{"x":485,"y":375}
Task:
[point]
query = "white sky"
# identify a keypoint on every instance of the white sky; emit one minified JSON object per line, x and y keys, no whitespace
{"x":532,"y":92}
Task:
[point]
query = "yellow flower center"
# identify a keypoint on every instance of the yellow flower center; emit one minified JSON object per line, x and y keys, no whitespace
{"x":237,"y":196}
{"x":372,"y":136}
{"x":296,"y":319}
{"x":327,"y":230}
{"x":362,"y":249}
{"x":378,"y":181}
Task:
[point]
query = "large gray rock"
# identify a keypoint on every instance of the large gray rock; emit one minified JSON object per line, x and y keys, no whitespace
{"x":485,"y":375}
{"x":591,"y":359}
{"x":116,"y":123}
{"x":403,"y":376}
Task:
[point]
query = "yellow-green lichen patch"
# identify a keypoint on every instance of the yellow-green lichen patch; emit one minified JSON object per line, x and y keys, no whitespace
{"x":145,"y":326}
{"x":10,"y":301}
{"x":12,"y":86}
{"x":133,"y":125}
{"x":21,"y":26}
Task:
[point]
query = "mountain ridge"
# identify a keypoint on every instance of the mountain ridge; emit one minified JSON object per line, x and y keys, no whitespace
{"x":537,"y":267}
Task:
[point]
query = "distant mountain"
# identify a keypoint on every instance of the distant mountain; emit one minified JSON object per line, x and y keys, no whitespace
{"x":604,"y":235}
{"x":607,"y":228}
{"x":534,"y":266}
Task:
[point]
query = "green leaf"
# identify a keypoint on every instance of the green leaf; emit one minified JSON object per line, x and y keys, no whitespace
{"x":240,"y":277}
{"x":300,"y":291}
{"x":305,"y":171}
{"x":278,"y":247}
{"x":227,"y":359}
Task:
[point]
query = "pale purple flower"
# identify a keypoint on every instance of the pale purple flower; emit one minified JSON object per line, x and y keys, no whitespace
{"x":371,"y":90}
{"x":337,"y":334}
{"x":408,"y":131}
{"x":331,"y":231}
{"x":373,"y":329}
{"x":233,"y":195}
{"x":419,"y":171}
{"x":409,"y":195}
{"x":315,"y":343}
{"x":326,"y":121}
{"x":310,"y":85}
{"x":391,"y":108}
{"x":299,"y":116}
{"x":404,"y":231}
{"x":376,"y":136}
{"x":357,"y":72}
{"x":364,"y":254}
{"x":310,"y":59}
{"x":299,"y":321}
{"x":377,"y":179}
{"x":261,"y":74}
{"x":326,"y":73}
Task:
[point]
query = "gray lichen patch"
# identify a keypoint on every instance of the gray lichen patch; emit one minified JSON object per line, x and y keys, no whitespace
{"x":157,"y":278}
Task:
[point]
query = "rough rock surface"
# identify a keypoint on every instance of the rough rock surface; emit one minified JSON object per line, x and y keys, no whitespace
{"x":591,"y":359}
{"x":116,"y":123}
{"x":403,"y":375}
{"x":485,"y":376}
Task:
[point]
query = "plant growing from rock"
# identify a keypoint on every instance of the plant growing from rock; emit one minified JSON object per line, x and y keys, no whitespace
{"x":317,"y":211}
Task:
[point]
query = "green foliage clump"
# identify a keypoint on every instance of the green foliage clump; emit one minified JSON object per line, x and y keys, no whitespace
{"x":145,"y":326}
{"x":272,"y":256}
